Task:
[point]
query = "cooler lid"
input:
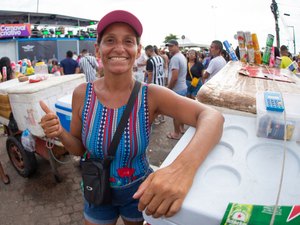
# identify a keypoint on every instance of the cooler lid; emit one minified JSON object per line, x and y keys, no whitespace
{"x":13,"y":83}
{"x":29,"y":88}
{"x":64,"y":102}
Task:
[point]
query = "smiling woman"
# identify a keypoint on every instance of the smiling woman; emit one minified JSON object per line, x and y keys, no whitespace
{"x":97,"y":108}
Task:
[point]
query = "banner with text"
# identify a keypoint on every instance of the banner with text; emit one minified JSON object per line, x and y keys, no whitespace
{"x":15,"y":30}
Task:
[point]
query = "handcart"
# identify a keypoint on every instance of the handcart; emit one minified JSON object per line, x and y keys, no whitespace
{"x":20,"y":111}
{"x":24,"y":161}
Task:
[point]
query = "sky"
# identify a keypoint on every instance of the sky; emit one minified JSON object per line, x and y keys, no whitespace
{"x":201,"y":21}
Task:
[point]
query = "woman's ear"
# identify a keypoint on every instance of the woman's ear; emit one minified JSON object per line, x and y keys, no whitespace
{"x":97,"y":50}
{"x":139,"y":50}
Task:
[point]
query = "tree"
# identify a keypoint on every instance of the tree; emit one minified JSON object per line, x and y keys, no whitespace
{"x":170,"y":37}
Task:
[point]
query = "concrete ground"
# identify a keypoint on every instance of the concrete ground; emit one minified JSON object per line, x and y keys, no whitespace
{"x":40,"y":200}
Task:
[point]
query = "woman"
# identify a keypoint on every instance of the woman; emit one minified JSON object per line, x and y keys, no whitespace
{"x":194,"y":71}
{"x":5,"y":62}
{"x":96,"y":109}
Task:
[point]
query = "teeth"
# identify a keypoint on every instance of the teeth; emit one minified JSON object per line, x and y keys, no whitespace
{"x":118,"y":58}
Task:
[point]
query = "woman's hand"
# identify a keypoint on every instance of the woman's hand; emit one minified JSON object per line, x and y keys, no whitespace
{"x":50,"y":122}
{"x":163,"y":192}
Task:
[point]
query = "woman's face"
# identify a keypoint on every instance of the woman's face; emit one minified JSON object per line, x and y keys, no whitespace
{"x":118,"y":49}
{"x":192,"y":55}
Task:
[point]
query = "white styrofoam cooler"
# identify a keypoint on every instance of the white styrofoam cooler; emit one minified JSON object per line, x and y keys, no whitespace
{"x":63,"y":108}
{"x":242,"y":168}
{"x":24,"y":99}
{"x":13,"y":83}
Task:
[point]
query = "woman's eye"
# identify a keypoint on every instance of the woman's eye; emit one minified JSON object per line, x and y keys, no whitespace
{"x":129,"y":41}
{"x":109,"y":40}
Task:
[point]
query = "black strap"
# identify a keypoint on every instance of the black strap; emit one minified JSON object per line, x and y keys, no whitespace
{"x":89,"y":61}
{"x":117,"y":136}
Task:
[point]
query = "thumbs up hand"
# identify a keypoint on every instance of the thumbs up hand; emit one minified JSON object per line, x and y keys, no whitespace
{"x":50,"y":122}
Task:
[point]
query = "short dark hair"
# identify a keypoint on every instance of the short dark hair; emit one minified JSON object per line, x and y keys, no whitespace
{"x":84,"y":51}
{"x":150,"y":48}
{"x":218,"y":44}
{"x":69,"y":54}
{"x":283,"y":48}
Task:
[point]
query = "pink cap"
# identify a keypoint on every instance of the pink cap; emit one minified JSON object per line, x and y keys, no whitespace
{"x":120,"y":16}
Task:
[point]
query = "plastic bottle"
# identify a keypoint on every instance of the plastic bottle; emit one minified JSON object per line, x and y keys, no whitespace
{"x":24,"y":67}
{"x":257,"y":54}
{"x":4,"y":73}
{"x":230,"y":51}
{"x":267,"y":52}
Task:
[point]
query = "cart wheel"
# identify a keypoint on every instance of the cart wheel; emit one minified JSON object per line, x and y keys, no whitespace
{"x":23,"y":161}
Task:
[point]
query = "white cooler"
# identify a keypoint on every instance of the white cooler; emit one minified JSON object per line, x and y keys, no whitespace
{"x":24,"y":99}
{"x":242,"y":168}
{"x":63,"y":108}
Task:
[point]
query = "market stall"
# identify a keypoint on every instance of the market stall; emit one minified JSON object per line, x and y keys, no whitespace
{"x":239,"y":182}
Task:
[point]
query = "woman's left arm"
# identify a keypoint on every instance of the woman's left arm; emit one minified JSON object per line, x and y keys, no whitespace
{"x":163,"y":192}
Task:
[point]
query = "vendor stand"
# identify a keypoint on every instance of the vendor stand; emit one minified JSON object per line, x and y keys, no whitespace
{"x":243,"y":168}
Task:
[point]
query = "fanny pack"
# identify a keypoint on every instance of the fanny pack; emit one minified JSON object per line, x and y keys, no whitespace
{"x":96,"y":172}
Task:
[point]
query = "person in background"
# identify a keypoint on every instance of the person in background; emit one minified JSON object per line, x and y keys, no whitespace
{"x":237,"y":52}
{"x":225,"y":55}
{"x":55,"y":68}
{"x":140,"y":67}
{"x":75,"y":56}
{"x":276,"y":52}
{"x":165,"y":57}
{"x":50,"y":65}
{"x":195,"y":69}
{"x":69,"y":65}
{"x":154,"y":67}
{"x":5,"y":62}
{"x":285,"y":59}
{"x":201,"y":57}
{"x":4,"y":177}
{"x":206,"y":60}
{"x":155,"y":73}
{"x":96,"y":110}
{"x":177,"y":81}
{"x":29,"y":69}
{"x":217,"y":62}
{"x":88,"y":65}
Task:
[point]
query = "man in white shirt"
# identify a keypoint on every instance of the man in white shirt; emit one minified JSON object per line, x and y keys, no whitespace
{"x":217,"y":62}
{"x":139,"y":67}
{"x":88,"y":65}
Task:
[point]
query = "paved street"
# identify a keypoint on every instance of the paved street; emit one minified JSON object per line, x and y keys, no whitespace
{"x":39,"y":200}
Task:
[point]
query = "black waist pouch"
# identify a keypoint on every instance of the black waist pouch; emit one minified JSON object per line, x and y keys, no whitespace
{"x":95,"y":176}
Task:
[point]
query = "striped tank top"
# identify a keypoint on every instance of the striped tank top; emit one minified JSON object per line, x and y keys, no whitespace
{"x":99,"y":124}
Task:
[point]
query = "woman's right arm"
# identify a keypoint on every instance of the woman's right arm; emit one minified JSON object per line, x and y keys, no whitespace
{"x":53,"y":128}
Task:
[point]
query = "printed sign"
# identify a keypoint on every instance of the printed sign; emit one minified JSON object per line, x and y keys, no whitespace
{"x":15,"y":30}
{"x":37,"y":49}
{"x":244,"y":214}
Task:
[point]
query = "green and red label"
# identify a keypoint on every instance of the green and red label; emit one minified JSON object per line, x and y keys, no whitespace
{"x":244,"y":214}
